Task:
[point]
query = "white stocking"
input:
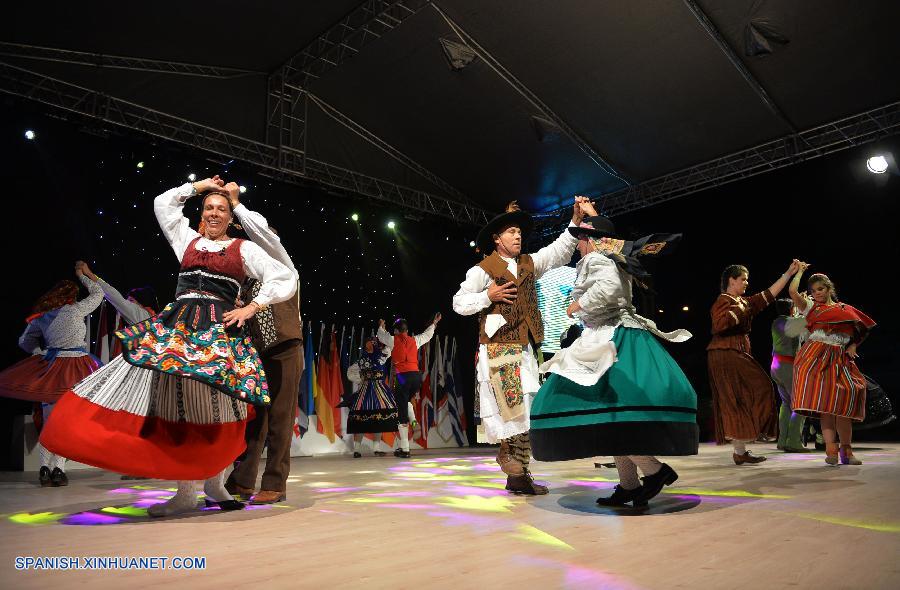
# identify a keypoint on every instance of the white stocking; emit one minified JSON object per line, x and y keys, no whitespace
{"x":403,"y":431}
{"x":185,"y":499}
{"x":214,"y":488}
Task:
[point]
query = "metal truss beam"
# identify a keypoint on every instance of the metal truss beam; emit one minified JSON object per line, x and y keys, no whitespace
{"x":280,"y":162}
{"x":736,"y":62}
{"x":138,"y":64}
{"x":532,"y":98}
{"x":366,"y":23}
{"x":816,"y":142}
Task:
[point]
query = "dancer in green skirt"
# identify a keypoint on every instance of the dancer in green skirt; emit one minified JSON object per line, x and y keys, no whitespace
{"x":615,"y":390}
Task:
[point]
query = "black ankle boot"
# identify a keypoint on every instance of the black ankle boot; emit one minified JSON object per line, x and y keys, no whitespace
{"x":621,"y":496}
{"x":44,"y":477}
{"x":58,"y":478}
{"x":653,"y":484}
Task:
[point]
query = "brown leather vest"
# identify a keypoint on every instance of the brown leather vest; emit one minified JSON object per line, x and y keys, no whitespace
{"x":522,"y":317}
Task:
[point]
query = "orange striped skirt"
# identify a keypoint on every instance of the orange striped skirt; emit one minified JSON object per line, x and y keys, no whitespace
{"x":827,"y":381}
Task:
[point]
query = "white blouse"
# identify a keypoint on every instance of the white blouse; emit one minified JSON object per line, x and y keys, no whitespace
{"x":279,"y":283}
{"x":130,"y":311}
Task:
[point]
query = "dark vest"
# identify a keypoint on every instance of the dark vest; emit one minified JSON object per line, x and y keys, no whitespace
{"x":523,"y":318}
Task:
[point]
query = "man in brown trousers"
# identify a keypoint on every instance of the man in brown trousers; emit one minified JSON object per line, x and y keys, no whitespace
{"x":277,"y":334}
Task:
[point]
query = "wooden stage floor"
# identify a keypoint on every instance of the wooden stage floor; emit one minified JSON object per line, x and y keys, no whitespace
{"x":442,"y":520}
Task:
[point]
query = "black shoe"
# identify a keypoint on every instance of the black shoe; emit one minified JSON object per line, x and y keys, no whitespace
{"x":621,"y":496}
{"x":58,"y":478}
{"x":225,"y":504}
{"x":357,"y":454}
{"x":44,"y":476}
{"x":401,"y":454}
{"x":653,"y":484}
{"x":379,"y":453}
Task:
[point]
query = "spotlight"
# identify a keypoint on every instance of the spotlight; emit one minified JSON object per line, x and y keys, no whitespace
{"x":140,"y":164}
{"x":192,"y":177}
{"x":29,"y":134}
{"x":660,"y":311}
{"x":391,"y":225}
{"x":355,"y":217}
{"x":243,"y":189}
{"x":472,"y":244}
{"x":685,"y":308}
{"x":877,"y":164}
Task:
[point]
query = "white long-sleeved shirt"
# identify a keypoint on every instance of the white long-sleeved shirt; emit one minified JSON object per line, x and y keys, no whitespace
{"x":279,"y":283}
{"x":257,"y":227}
{"x":67,"y":329}
{"x":130,"y":311}
{"x":388,"y":339}
{"x":472,"y":296}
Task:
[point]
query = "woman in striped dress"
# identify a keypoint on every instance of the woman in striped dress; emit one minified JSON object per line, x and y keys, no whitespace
{"x":827,"y":382}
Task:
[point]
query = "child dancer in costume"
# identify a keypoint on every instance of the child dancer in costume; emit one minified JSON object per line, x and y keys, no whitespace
{"x":373,"y":408}
{"x":615,"y":390}
{"x":743,"y":401}
{"x":827,"y":382}
{"x":55,"y":337}
{"x":175,"y":406}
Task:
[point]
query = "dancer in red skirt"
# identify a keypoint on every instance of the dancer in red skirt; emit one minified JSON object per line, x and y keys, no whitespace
{"x":55,"y":337}
{"x":827,"y":382}
{"x":175,"y":404}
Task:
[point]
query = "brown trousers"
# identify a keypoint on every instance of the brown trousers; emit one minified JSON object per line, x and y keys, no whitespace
{"x":283,"y":365}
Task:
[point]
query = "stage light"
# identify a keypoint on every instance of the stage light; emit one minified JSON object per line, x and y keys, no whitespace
{"x":877,"y":164}
{"x":391,"y":225}
{"x":29,"y":134}
{"x":659,"y":310}
{"x":140,"y":164}
{"x":192,"y":177}
{"x":243,"y":189}
{"x":355,"y":217}
{"x":685,"y":308}
{"x":472,"y":244}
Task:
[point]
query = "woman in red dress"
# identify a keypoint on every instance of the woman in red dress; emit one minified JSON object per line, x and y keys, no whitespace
{"x":827,"y":382}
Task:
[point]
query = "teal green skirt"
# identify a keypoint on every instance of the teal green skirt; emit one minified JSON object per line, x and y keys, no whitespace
{"x":644,"y":405}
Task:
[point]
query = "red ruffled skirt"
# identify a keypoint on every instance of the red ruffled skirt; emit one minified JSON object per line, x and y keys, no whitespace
{"x":142,"y":422}
{"x":37,"y":380}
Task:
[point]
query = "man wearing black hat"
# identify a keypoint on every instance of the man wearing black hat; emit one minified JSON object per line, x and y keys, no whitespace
{"x":501,"y":289}
{"x":404,"y":350}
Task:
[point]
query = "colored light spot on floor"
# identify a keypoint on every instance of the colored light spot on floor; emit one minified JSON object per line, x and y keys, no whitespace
{"x":725,"y":493}
{"x":881,"y":527}
{"x":535,"y":535}
{"x":91,"y":519}
{"x":125,"y":510}
{"x":493,"y":504}
{"x":36,"y":518}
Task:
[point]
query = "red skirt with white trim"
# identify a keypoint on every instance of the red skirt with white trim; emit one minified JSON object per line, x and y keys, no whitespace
{"x":138,"y":421}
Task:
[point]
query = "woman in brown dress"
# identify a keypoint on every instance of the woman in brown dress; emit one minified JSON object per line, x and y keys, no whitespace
{"x":743,"y":398}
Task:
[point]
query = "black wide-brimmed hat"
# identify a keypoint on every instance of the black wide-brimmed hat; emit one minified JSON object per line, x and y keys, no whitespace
{"x":513,"y":217}
{"x":595,"y":226}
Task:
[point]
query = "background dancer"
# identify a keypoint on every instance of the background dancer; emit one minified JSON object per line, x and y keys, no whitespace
{"x":55,"y":338}
{"x":373,"y":408}
{"x":827,"y":382}
{"x":405,"y":357}
{"x":784,"y":347}
{"x":743,"y":400}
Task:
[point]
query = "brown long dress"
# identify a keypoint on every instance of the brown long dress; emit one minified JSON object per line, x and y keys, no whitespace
{"x":743,"y":397}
